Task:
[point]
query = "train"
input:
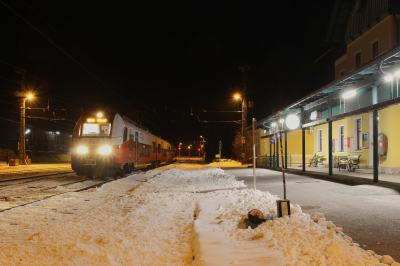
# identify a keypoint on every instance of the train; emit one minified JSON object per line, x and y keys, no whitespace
{"x":107,"y":143}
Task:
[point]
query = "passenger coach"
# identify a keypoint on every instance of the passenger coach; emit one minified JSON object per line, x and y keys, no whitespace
{"x":107,"y":143}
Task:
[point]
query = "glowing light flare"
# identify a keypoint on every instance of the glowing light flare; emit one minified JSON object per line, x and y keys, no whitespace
{"x":91,"y":120}
{"x":105,"y":150}
{"x":349,"y":94}
{"x":292,"y":121}
{"x":273,"y":124}
{"x":237,"y":96}
{"x":99,"y":114}
{"x":281,"y":121}
{"x":82,"y":149}
{"x":389,"y":78}
{"x":29,"y":96}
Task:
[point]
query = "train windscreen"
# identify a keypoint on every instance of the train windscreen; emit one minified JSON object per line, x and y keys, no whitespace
{"x":96,"y":130}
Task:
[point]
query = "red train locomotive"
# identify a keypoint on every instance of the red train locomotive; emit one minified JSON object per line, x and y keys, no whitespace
{"x":106,"y":143}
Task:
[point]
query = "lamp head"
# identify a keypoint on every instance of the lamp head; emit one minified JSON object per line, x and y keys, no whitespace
{"x":237,"y":96}
{"x":29,"y":96}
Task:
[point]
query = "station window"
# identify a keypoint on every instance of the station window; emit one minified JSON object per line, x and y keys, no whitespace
{"x":319,"y":140}
{"x":165,"y":153}
{"x":159,"y":148}
{"x":357,"y":58}
{"x":375,"y":49}
{"x":341,"y":138}
{"x":359,"y":134}
{"x":153,"y":145}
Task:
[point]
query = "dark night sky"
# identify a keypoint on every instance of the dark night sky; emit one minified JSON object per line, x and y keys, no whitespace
{"x":154,"y":61}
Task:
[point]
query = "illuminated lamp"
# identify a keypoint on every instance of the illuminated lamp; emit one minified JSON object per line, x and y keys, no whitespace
{"x":30,"y":96}
{"x":90,"y":120}
{"x":397,"y":74}
{"x":281,"y":121}
{"x":99,"y":114}
{"x":292,"y":121}
{"x":349,"y":94}
{"x":105,"y":150}
{"x":273,"y":124}
{"x":389,"y":78}
{"x":101,"y":119}
{"x":237,"y":96}
{"x":82,"y":149}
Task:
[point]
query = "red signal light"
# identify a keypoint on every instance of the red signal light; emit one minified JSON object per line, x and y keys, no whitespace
{"x":198,"y":149}
{"x":180,"y":148}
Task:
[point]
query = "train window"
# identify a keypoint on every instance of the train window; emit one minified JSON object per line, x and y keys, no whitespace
{"x":165,"y":153}
{"x":144,"y":150}
{"x":159,"y":148}
{"x":130,"y":142}
{"x":96,"y":130}
{"x":125,"y":138}
{"x":153,"y":150}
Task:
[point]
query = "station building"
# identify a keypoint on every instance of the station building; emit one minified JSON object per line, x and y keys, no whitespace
{"x":356,"y":118}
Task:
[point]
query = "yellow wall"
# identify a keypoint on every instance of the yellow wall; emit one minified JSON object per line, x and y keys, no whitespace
{"x":384,"y":31}
{"x":388,"y":124}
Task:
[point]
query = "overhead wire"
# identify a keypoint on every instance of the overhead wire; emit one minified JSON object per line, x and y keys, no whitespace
{"x":76,"y":49}
{"x":68,"y":55}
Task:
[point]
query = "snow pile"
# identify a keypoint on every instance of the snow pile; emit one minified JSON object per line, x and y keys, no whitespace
{"x":299,"y":240}
{"x":204,"y":179}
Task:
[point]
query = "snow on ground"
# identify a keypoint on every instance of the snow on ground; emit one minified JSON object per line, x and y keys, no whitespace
{"x":227,"y":163}
{"x":162,"y":221}
{"x":202,"y":179}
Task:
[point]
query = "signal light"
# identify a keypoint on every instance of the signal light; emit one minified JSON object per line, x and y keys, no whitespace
{"x":180,"y":148}
{"x":198,"y":149}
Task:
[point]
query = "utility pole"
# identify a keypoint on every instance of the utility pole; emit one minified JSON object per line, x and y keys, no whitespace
{"x":244,"y":69}
{"x":22,"y":118}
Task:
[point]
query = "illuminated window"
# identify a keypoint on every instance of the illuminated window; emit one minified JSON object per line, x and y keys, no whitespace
{"x":319,"y":140}
{"x":96,"y":130}
{"x":341,"y":138}
{"x":359,"y":134}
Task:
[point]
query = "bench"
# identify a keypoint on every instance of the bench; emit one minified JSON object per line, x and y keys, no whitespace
{"x":354,"y":162}
{"x":349,"y":161}
{"x":316,"y":160}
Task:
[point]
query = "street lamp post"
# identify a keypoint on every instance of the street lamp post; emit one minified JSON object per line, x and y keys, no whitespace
{"x":22,"y":156}
{"x":189,"y":150}
{"x":179,"y":150}
{"x":244,"y":118}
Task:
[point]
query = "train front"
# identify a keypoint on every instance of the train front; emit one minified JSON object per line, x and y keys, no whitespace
{"x":91,"y":152}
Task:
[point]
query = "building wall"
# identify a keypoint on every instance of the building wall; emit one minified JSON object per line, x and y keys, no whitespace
{"x":384,"y":31}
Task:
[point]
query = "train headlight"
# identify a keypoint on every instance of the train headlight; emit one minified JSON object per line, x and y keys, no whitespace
{"x":105,"y":150}
{"x":82,"y":149}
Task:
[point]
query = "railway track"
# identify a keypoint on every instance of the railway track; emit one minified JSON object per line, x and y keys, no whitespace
{"x":16,"y":178}
{"x":16,"y":192}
